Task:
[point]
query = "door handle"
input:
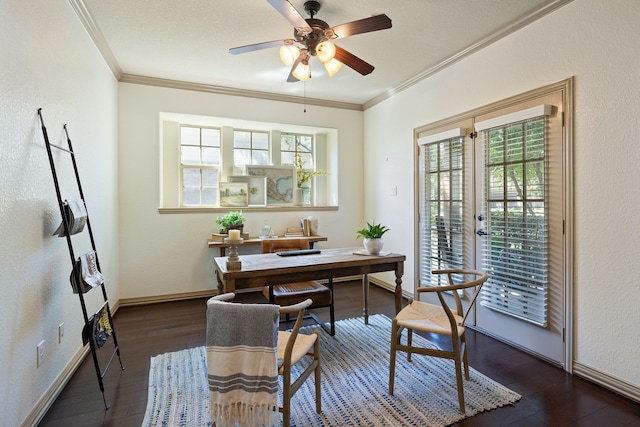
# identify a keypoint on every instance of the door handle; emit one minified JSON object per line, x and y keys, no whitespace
{"x":481,"y":232}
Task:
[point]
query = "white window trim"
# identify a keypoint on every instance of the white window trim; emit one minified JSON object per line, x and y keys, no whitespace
{"x":169,"y":169}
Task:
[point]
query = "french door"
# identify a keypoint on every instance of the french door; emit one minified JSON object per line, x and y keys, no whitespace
{"x":493,"y":197}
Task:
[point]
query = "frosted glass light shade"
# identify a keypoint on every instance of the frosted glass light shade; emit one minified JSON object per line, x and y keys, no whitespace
{"x":302,"y":72}
{"x":325,"y":51}
{"x":332,"y":66}
{"x":288,"y":54}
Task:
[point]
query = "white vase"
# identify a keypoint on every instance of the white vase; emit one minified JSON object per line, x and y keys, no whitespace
{"x":373,"y":246}
{"x":297,"y":196}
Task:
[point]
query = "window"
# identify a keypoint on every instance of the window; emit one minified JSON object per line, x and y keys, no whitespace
{"x":199,"y":165}
{"x":299,"y":146}
{"x":250,"y":148}
{"x":292,"y":144}
{"x":200,"y":152}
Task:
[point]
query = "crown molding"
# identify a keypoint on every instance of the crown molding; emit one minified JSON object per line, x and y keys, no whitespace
{"x":96,"y":35}
{"x":490,"y":39}
{"x":223,"y":90}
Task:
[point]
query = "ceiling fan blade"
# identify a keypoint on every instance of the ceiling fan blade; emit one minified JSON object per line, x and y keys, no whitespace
{"x":352,"y":61}
{"x":292,"y":78}
{"x":365,"y":25}
{"x":259,"y":46}
{"x":287,"y":10}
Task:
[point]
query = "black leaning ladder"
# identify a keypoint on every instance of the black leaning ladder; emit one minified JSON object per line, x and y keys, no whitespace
{"x":87,"y":324}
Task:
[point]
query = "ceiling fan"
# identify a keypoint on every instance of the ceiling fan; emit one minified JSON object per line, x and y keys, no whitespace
{"x":313,"y":37}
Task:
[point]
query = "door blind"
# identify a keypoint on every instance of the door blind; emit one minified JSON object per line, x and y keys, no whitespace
{"x":516,"y":246}
{"x":441,"y":237}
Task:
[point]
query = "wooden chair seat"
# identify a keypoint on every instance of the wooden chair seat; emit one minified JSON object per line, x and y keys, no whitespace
{"x":293,"y":293}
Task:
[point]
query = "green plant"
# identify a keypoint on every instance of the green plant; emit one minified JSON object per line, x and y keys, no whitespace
{"x":372,"y":231}
{"x":304,"y":175}
{"x":230,"y":219}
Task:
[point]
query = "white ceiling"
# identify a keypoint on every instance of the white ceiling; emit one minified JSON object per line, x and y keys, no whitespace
{"x":188,"y":41}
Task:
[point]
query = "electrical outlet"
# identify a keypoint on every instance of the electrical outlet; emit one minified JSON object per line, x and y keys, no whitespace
{"x":41,"y":352}
{"x":60,"y":332}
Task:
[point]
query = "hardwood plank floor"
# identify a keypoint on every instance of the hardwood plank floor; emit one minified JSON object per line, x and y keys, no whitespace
{"x":551,"y":397}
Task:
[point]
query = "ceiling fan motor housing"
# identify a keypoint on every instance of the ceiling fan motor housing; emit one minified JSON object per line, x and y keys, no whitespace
{"x":315,"y":37}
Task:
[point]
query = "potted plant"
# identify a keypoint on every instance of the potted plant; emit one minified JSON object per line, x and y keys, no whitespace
{"x":232,"y":220}
{"x":372,"y":234}
{"x":303,"y":176}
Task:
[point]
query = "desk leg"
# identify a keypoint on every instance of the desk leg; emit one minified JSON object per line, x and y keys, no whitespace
{"x":398,"y":294}
{"x":220,"y":283}
{"x":222,"y":251}
{"x":225,"y":286}
{"x":365,"y":297}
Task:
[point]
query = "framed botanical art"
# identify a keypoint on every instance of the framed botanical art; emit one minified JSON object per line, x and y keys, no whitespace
{"x":280,"y":181}
{"x":234,"y":194}
{"x":257,"y":188}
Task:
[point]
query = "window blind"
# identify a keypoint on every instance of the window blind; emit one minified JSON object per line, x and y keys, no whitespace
{"x":515,"y":251}
{"x":441,"y":236}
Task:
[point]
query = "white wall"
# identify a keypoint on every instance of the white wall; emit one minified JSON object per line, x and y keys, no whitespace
{"x":49,"y":61}
{"x":598,"y":43}
{"x":163,"y":254}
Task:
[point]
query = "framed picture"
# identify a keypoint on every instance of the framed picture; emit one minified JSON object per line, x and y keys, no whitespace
{"x":234,"y":194}
{"x":280,"y":181}
{"x":257,"y":188}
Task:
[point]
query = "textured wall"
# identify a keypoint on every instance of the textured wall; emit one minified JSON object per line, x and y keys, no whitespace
{"x":168,"y":253}
{"x":597,"y":43}
{"x":48,"y":61}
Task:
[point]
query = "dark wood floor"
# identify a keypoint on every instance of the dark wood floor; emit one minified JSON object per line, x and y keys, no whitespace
{"x":551,"y":397}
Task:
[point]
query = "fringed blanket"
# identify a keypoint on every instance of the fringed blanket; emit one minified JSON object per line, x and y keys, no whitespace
{"x":242,"y":344}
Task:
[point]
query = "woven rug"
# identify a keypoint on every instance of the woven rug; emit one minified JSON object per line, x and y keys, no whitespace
{"x":355,"y":381}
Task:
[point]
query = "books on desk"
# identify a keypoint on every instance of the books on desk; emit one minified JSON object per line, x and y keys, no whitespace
{"x":303,"y":231}
{"x":294,"y":232}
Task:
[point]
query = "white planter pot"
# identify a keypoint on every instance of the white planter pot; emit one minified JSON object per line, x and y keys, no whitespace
{"x":373,"y":246}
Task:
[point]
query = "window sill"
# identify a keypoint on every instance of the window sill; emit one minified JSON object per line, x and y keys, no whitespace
{"x":181,"y":210}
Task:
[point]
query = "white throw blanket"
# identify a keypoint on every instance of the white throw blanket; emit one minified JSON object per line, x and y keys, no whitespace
{"x":242,"y":344}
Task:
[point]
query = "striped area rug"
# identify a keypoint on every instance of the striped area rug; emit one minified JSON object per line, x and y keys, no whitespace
{"x":355,"y":381}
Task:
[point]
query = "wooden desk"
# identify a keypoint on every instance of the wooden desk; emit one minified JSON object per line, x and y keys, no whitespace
{"x":270,"y":269}
{"x":255,"y":241}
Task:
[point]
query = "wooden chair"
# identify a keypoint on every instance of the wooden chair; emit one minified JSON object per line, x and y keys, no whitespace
{"x":437,"y":319}
{"x":293,"y":293}
{"x":292,"y":347}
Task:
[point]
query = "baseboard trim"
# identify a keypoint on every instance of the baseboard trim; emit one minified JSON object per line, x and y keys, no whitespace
{"x":391,"y":287}
{"x":51,"y":394}
{"x":128,"y":302}
{"x":607,"y":381}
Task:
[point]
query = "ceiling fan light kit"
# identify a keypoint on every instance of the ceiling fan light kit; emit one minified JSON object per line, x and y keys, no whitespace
{"x":288,"y":54}
{"x":332,"y":66}
{"x":313,"y":37}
